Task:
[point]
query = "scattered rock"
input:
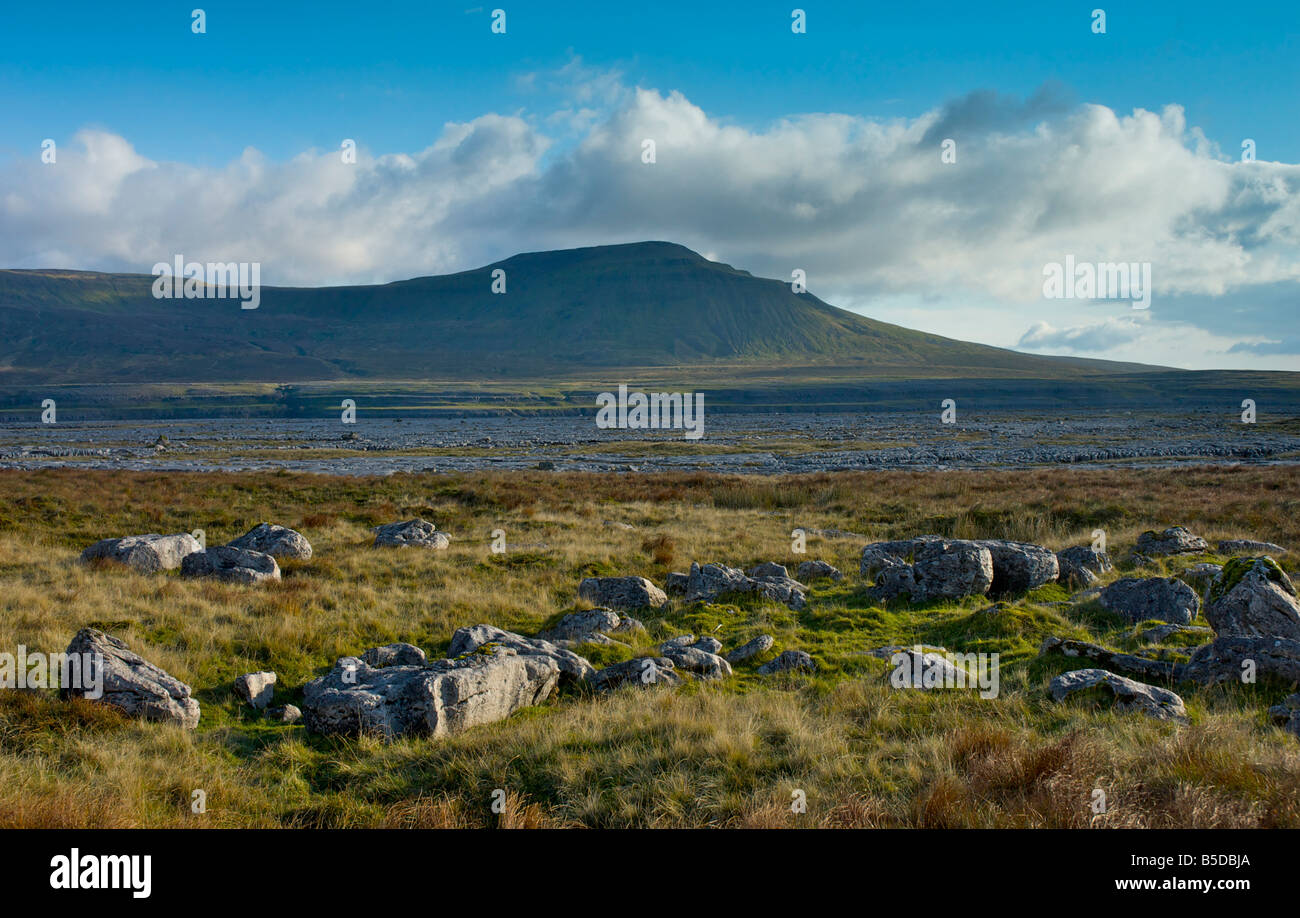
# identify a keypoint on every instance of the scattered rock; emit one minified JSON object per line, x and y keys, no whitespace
{"x":1122,"y":662}
{"x":708,"y":644}
{"x":692,"y":659}
{"x":436,"y":699}
{"x":592,"y":626}
{"x":1200,"y":576}
{"x":1129,"y":694}
{"x":942,"y":570}
{"x":615,"y":524}
{"x":277,"y":541}
{"x":876,"y":560}
{"x":625,"y":593}
{"x":284,"y":714}
{"x":418,"y":533}
{"x":396,"y":654}
{"x":1165,"y":599}
{"x":1249,"y":547}
{"x":131,"y":683}
{"x":924,"y":668}
{"x":831,"y":533}
{"x":1173,"y":541}
{"x":889,"y":651}
{"x":1223,"y":659}
{"x":1253,"y":597}
{"x":759,"y":645}
{"x":1080,"y":566}
{"x":628,"y":625}
{"x":709,"y":582}
{"x":233,"y":565}
{"x":148,"y":554}
{"x":676,"y":584}
{"x":255,"y":688}
{"x":642,"y":671}
{"x":788,"y":661}
{"x":880,"y":555}
{"x":1019,"y":566}
{"x":1287,"y":714}
{"x":817,"y":570}
{"x":474,"y":638}
{"x":769,"y":569}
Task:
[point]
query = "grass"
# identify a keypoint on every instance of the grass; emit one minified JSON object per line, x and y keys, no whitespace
{"x":720,"y":754}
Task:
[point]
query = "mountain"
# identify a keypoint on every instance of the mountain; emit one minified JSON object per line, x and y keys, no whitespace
{"x":564,"y":314}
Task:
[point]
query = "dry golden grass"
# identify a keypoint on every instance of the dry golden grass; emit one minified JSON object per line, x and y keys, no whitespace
{"x":704,"y":755}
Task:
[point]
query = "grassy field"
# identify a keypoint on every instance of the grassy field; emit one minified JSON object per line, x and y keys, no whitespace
{"x":718,"y":754}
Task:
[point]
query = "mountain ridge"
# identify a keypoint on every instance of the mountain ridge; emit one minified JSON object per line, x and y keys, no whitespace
{"x":645,"y":304}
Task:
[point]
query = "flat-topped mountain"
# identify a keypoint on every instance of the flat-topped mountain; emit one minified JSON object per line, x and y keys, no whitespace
{"x":564,"y":313}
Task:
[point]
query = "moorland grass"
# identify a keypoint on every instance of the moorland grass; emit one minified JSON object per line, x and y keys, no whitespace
{"x":720,"y":754}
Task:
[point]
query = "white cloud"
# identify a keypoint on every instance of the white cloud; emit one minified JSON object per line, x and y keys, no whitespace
{"x":864,"y":205}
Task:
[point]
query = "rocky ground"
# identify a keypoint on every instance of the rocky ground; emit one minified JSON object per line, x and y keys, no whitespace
{"x":640,"y":650}
{"x":749,"y":443}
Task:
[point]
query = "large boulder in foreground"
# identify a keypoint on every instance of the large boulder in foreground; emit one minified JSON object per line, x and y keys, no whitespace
{"x":233,"y":565}
{"x":622,"y":593}
{"x":131,"y":683}
{"x":1019,"y":566}
{"x":1137,"y":599}
{"x":951,"y":570}
{"x":1226,"y":659}
{"x":1253,"y":597}
{"x":880,"y":555}
{"x":1173,"y":541}
{"x":279,"y":542}
{"x":941,"y":569}
{"x":148,"y":554}
{"x":1129,"y":694}
{"x":475,"y":638}
{"x":435,"y":699}
{"x":415,"y":533}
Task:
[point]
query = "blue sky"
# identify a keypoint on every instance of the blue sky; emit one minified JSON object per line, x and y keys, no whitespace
{"x":288,"y":76}
{"x":777,"y":151}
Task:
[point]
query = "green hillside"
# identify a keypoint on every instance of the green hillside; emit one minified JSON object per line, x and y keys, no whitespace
{"x":565,"y":313}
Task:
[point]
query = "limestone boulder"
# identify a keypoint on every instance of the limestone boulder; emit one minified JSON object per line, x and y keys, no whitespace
{"x":279,"y":542}
{"x":129,"y":682}
{"x":148,"y":554}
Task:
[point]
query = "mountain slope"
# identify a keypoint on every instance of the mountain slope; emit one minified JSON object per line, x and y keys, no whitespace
{"x":651,"y":304}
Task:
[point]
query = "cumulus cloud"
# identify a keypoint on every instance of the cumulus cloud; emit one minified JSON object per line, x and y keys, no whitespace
{"x":864,"y":205}
{"x":1097,"y":338}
